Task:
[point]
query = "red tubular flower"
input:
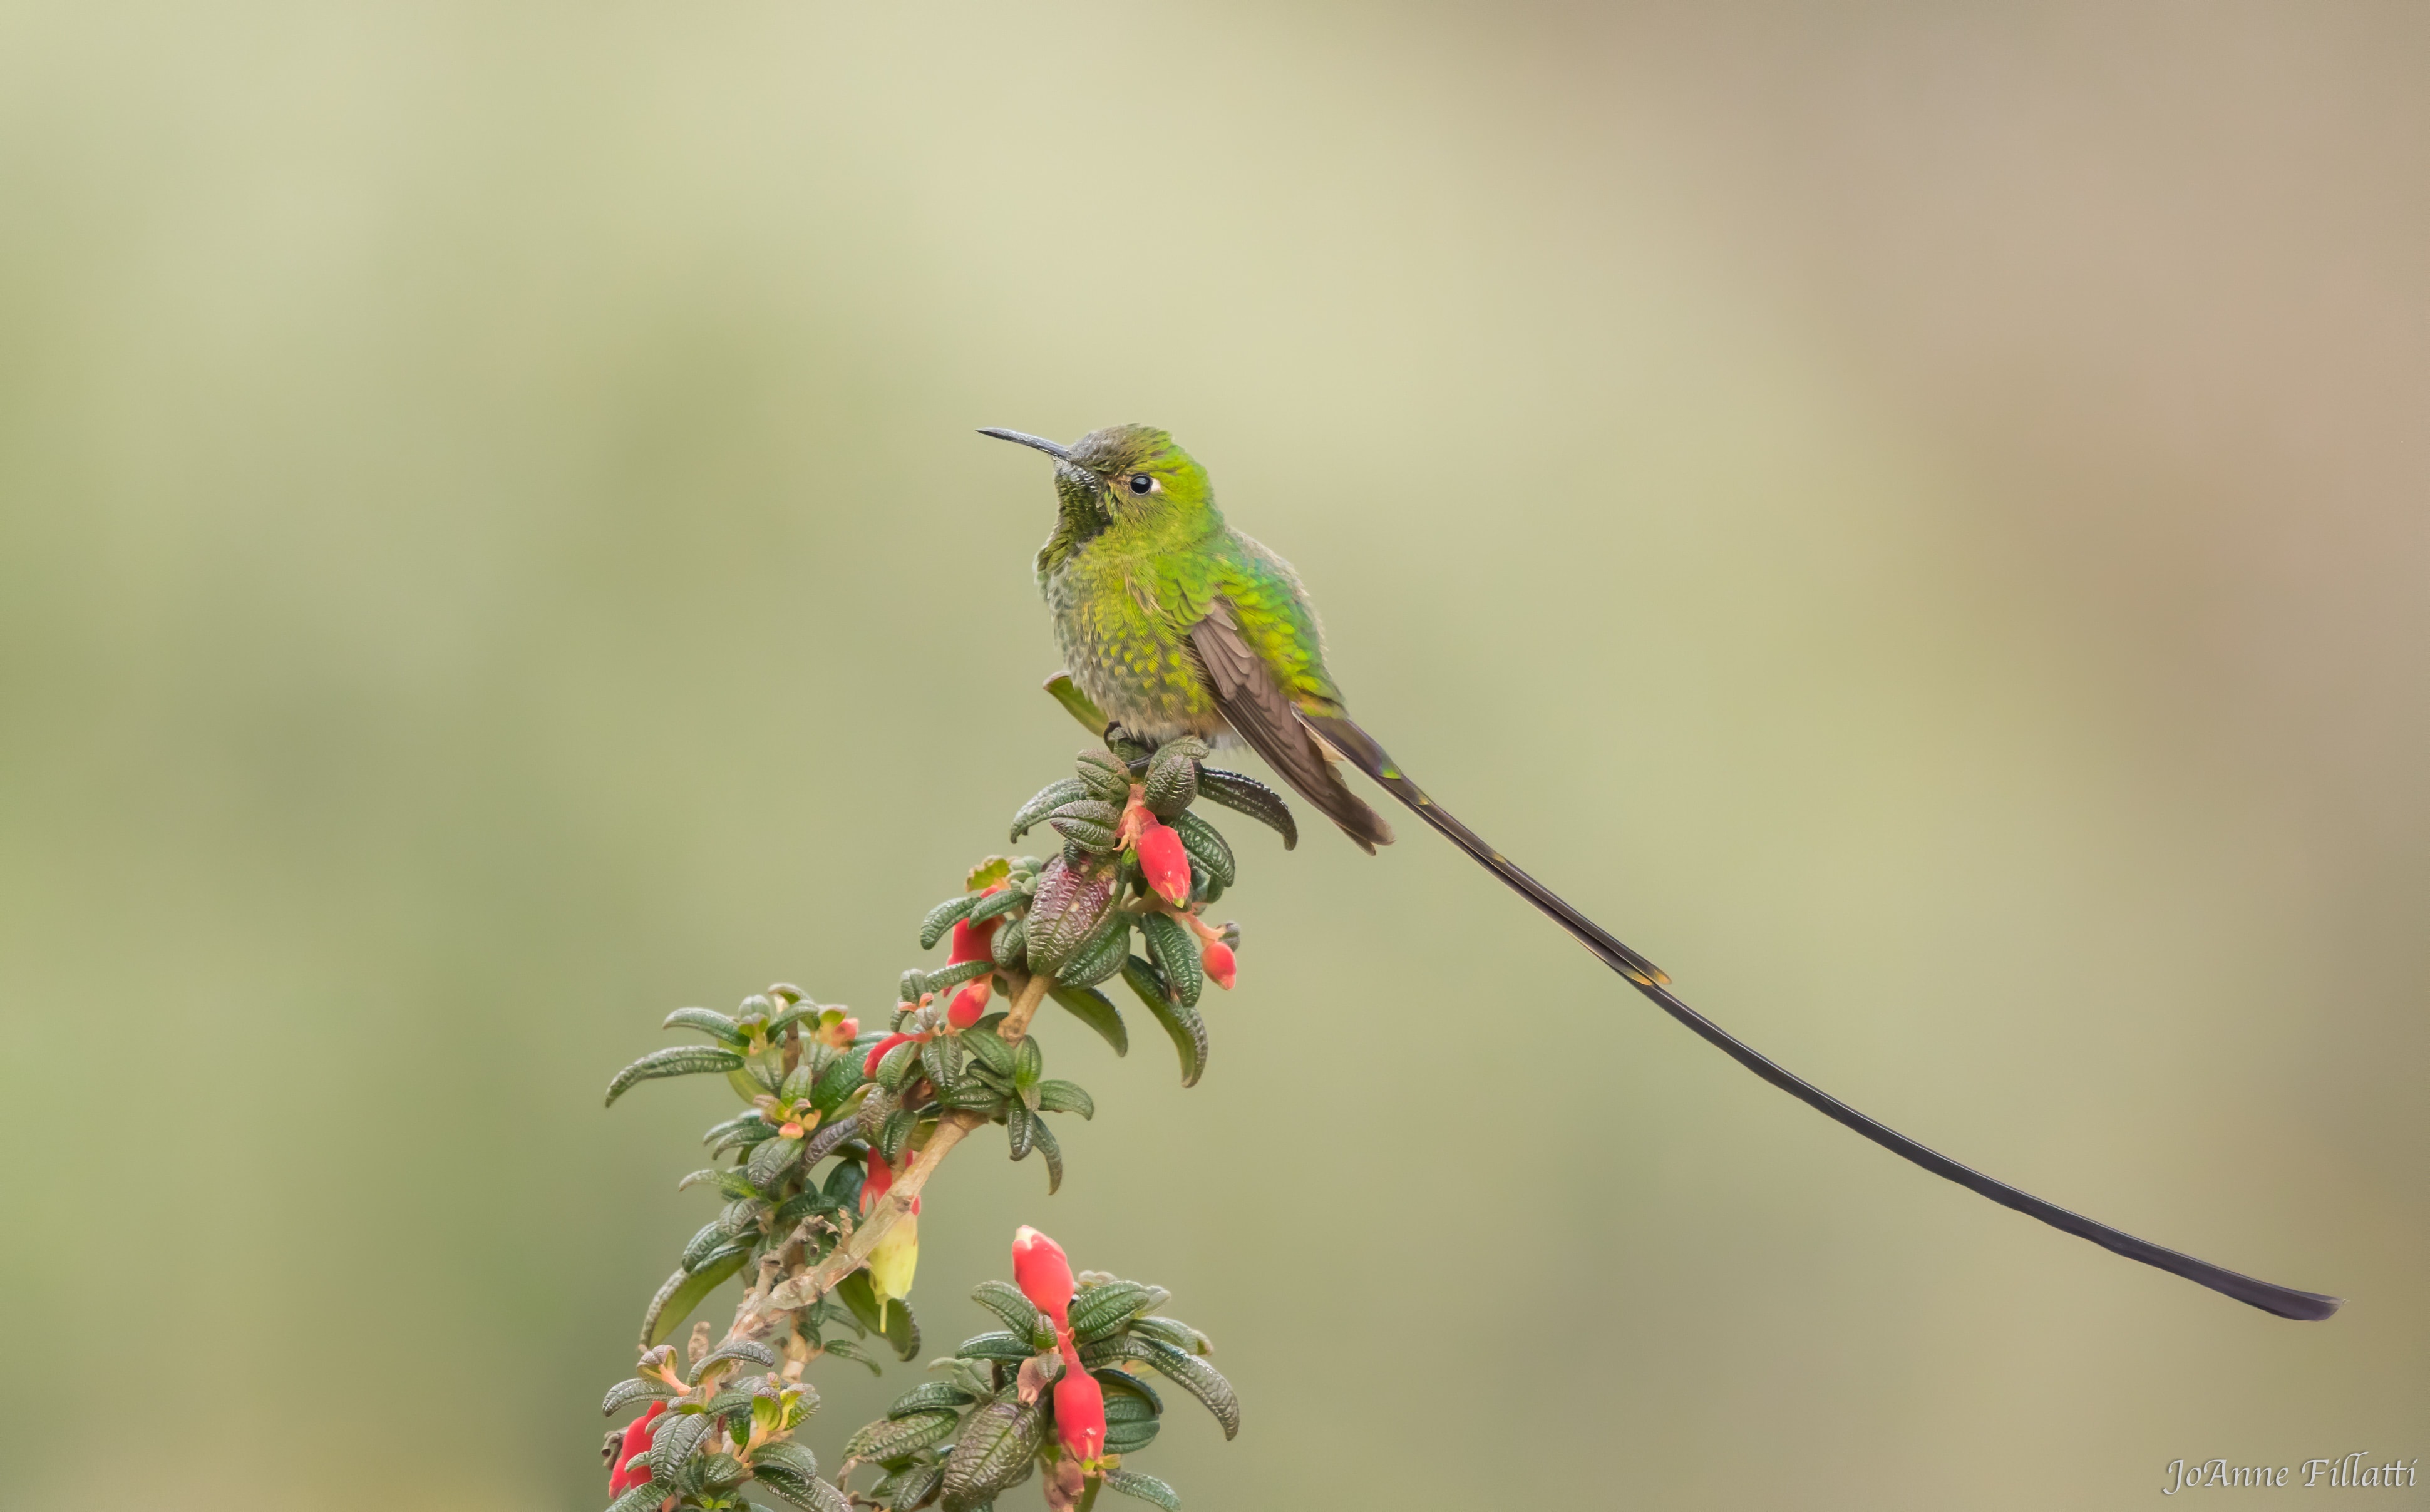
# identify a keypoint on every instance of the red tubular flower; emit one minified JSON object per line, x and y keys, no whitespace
{"x":972,"y":941}
{"x":879,"y":1181}
{"x":1221,"y":967}
{"x":636,"y":1442}
{"x":1164,"y":863}
{"x":1043,"y":1273}
{"x":971,"y":1002}
{"x":1079,"y":1408}
{"x":877,"y":1052}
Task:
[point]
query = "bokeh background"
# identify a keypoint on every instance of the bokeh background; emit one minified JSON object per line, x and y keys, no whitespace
{"x":1916,"y":515}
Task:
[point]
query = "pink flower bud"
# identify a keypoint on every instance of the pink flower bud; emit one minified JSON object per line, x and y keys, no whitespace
{"x":840,"y":1034}
{"x":876,"y":1184}
{"x":1079,"y":1409}
{"x":1043,"y":1273}
{"x":1164,"y":863}
{"x":636,"y":1442}
{"x":877,"y":1053}
{"x":1221,"y":967}
{"x":971,"y":1002}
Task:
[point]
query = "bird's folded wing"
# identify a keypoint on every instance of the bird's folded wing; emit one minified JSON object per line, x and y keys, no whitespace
{"x":1263,"y":714}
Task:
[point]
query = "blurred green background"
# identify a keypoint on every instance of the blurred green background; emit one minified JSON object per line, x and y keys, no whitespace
{"x":1914,"y":516}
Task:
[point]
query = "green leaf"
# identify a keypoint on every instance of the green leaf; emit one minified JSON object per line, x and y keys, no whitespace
{"x":1186,"y":1371}
{"x":1105,"y":775}
{"x":807,"y":1492}
{"x":930,"y":1396}
{"x":894,"y":1134}
{"x":844,"y":1348}
{"x":1171,"y":779}
{"x":728,"y":1182}
{"x":1175,"y":950}
{"x":1207,"y":848}
{"x":770,"y":1160}
{"x":1097,"y":1311}
{"x":1095,"y":839}
{"x":1065,"y":1097}
{"x":914,"y":987}
{"x":1130,"y":1437}
{"x":941,"y":1059}
{"x":1042,"y":1136}
{"x":1247,"y":796}
{"x":1101,"y":954}
{"x":945,"y":978}
{"x":1028,"y":1062}
{"x":1049,"y":798}
{"x":676,"y":1060}
{"x":837,"y":1083}
{"x":1018,"y":1313}
{"x":677,"y":1439}
{"x":942,"y":918}
{"x":1182,"y":1025}
{"x":993,"y":1451}
{"x":712,"y":1236}
{"x":1071,"y":904}
{"x":716,"y":1025}
{"x":1097,"y":1011}
{"x":1122,"y":1406}
{"x":740,"y":1349}
{"x":1123,"y":1384}
{"x":642,"y":1498}
{"x":635,"y":1388}
{"x":986,"y":1048}
{"x":1064,"y":691}
{"x":1020,"y":1130}
{"x":1008,"y":947}
{"x":680,"y":1294}
{"x":911,"y":1487}
{"x":786,"y":1454}
{"x":1002,"y":901}
{"x":896,"y":1064}
{"x":747,"y":1128}
{"x":1175,"y":1331}
{"x":901,"y":1329}
{"x":999,"y":1344}
{"x":1146,"y":1488}
{"x":893,"y":1438}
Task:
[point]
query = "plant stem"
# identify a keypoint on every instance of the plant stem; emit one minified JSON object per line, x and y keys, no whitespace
{"x":1024,"y":1008}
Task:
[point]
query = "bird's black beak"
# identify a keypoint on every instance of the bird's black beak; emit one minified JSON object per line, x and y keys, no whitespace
{"x":1054,"y":449}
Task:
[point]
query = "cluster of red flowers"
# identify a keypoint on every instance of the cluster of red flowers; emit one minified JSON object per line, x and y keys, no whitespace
{"x":1166,"y":866}
{"x":972,"y":943}
{"x":1043,"y":1272}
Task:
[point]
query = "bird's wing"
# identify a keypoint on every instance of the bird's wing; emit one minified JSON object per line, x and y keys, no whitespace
{"x":1256,"y":705}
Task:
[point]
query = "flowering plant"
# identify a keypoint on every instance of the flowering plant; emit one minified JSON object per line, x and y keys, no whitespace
{"x":842,"y":1128}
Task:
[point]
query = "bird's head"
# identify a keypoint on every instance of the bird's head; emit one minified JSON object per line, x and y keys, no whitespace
{"x":1122,"y":478}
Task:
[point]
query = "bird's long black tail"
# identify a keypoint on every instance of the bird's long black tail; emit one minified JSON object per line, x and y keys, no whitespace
{"x":1361,"y":749}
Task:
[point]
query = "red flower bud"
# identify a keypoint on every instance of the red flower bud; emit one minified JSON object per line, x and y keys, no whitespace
{"x":841,"y":1032}
{"x":636,"y":1442}
{"x":1221,"y":967}
{"x":1043,"y":1273}
{"x":1164,"y":863}
{"x":876,"y":1184}
{"x":971,"y":1002}
{"x":877,"y":1053}
{"x":1079,"y":1408}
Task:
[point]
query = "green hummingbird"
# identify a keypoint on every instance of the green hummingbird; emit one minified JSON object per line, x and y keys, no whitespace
{"x":1173,"y":624}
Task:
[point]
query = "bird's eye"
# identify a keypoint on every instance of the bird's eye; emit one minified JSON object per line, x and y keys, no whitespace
{"x":1142,"y":483}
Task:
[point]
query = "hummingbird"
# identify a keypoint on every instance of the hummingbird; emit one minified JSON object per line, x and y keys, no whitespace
{"x":1174,"y":623}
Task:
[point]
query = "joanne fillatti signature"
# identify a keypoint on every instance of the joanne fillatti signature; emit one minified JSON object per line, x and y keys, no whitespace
{"x":2345,"y":1472}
